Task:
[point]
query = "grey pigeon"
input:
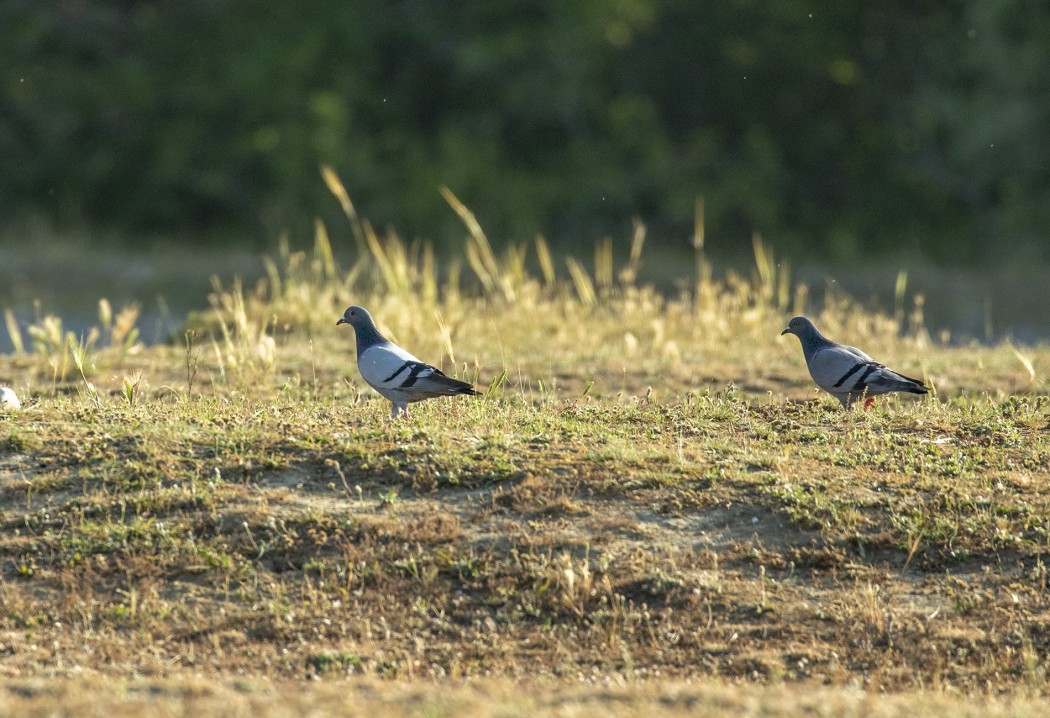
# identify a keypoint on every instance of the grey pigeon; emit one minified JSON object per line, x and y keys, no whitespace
{"x":392,"y":371}
{"x":845,"y":372}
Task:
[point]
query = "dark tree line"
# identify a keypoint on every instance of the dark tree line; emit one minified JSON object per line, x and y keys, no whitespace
{"x":848,"y":129}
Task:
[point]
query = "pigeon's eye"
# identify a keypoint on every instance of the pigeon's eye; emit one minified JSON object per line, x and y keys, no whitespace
{"x":353,"y":314}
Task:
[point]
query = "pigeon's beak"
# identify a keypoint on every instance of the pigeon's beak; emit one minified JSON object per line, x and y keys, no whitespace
{"x":786,"y":331}
{"x":341,"y":321}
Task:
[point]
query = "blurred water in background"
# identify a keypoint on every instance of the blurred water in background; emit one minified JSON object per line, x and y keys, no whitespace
{"x":69,"y":282}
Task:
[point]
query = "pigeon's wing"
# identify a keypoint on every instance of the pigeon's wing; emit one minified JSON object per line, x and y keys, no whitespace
{"x":389,"y":368}
{"x":838,"y":369}
{"x":386,"y":365}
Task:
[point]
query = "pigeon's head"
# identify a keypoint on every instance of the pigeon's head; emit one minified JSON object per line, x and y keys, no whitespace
{"x":801,"y":328}
{"x":356,"y":317}
{"x":364,"y":328}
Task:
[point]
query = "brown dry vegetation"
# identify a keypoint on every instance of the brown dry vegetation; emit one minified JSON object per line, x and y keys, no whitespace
{"x":649,"y":494}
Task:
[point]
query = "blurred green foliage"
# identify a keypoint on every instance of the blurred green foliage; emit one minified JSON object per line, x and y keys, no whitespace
{"x":851,"y":129}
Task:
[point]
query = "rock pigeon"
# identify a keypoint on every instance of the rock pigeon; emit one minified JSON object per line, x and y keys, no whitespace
{"x":8,"y":399}
{"x":845,"y":372}
{"x":393,"y":372}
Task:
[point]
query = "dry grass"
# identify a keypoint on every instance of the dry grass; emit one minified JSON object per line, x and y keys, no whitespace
{"x":650,"y":491}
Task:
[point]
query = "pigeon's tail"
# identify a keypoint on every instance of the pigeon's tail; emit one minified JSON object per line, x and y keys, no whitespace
{"x":899,"y":382}
{"x":439,"y":383}
{"x":466,"y":389}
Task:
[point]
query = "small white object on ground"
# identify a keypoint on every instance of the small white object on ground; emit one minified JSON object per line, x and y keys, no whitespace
{"x":8,"y":399}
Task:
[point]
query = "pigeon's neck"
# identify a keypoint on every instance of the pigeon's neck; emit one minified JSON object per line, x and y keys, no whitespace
{"x":368,"y":336}
{"x":811,"y":343}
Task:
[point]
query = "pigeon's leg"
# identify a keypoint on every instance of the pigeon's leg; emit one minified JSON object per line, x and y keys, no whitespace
{"x":868,"y":402}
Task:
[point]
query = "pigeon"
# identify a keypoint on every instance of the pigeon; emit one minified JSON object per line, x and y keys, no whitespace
{"x":845,"y":372}
{"x":393,"y":372}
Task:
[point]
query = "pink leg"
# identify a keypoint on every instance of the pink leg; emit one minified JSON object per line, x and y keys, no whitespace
{"x":867,"y":404}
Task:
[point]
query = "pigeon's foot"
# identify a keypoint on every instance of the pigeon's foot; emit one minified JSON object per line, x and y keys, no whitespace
{"x":868,"y":402}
